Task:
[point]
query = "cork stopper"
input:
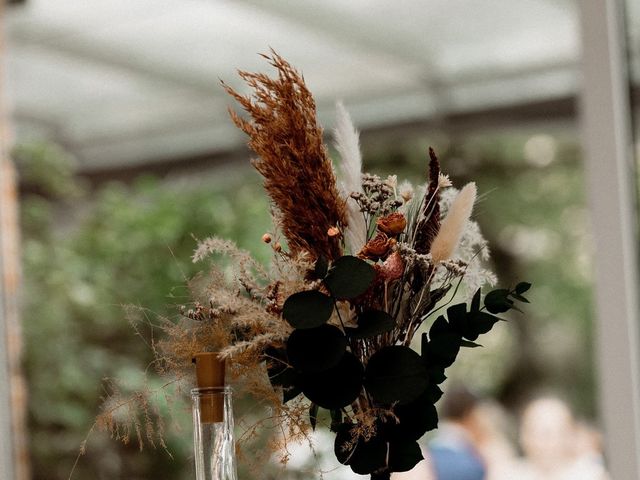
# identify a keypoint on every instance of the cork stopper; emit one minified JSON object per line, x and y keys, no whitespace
{"x":210,"y":373}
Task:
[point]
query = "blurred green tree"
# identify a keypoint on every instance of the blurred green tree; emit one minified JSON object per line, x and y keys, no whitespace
{"x":86,"y":255}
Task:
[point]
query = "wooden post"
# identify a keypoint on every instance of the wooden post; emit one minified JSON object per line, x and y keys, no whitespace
{"x":14,"y":453}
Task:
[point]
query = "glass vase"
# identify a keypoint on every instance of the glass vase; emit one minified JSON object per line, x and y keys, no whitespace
{"x":213,"y":438}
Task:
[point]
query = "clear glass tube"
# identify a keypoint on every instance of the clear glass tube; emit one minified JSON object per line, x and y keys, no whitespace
{"x":213,"y":438}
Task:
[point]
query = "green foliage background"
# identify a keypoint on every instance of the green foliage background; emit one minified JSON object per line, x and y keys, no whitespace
{"x":89,"y":251}
{"x":85,"y":256}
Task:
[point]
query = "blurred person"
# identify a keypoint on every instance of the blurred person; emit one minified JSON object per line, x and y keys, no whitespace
{"x":454,"y":452}
{"x":588,"y":451}
{"x":493,"y":440}
{"x":550,"y":439}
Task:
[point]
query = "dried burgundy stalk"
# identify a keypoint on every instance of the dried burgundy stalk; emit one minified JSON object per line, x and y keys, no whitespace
{"x":429,"y":222}
{"x":297,"y":171}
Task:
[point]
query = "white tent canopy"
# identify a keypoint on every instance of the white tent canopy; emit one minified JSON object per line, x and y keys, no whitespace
{"x":120,"y":82}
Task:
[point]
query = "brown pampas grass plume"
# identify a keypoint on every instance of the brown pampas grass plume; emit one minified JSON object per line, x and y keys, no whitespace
{"x":446,"y":242}
{"x":292,"y":158}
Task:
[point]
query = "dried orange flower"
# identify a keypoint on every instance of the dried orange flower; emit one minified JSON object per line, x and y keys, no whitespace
{"x":392,"y":224}
{"x":377,"y":247}
{"x":333,"y":232}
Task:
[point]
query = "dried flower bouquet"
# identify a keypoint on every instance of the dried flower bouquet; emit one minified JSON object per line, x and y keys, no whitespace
{"x":362,"y":265}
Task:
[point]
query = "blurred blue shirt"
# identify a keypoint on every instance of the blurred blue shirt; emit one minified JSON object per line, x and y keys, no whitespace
{"x":453,"y":457}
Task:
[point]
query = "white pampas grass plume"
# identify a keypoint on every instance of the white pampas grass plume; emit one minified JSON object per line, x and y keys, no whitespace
{"x":347,"y":142}
{"x":446,"y":242}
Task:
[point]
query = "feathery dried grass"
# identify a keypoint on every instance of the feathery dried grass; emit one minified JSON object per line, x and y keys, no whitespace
{"x":298,"y":175}
{"x":347,"y":142}
{"x":446,"y":242}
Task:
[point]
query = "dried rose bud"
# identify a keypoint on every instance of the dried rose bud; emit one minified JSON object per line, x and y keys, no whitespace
{"x":333,"y":232}
{"x":266,"y":238}
{"x":393,"y":267}
{"x":393,"y":224}
{"x":277,"y":247}
{"x":377,"y":247}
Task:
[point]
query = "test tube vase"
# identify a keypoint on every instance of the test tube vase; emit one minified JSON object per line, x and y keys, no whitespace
{"x":213,"y":437}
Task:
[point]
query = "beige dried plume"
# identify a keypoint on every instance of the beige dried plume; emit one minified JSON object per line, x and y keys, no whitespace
{"x":446,"y":242}
{"x":347,"y":142}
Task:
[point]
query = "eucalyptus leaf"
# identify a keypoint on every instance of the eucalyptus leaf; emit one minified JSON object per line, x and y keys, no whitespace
{"x":481,"y":322}
{"x":369,"y":456}
{"x":475,"y":301}
{"x":439,"y":327}
{"x":433,"y":392}
{"x":316,"y":349}
{"x":349,"y":277}
{"x":458,"y":318}
{"x":443,"y":349}
{"x":336,"y":419}
{"x":278,"y":368}
{"x":468,"y":344}
{"x":414,"y":419}
{"x":307,"y":309}
{"x":313,"y":415}
{"x":522,"y":287}
{"x":404,"y":455}
{"x":289,"y":393}
{"x":337,"y":387}
{"x":372,"y":323}
{"x":519,"y":297}
{"x":364,"y":457}
{"x":497,"y":301}
{"x":396,"y":374}
{"x":321,"y":267}
{"x":436,"y":374}
{"x":343,"y":444}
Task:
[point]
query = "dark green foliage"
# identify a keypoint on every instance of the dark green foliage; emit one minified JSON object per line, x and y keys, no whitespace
{"x":363,"y":457}
{"x":368,"y":456}
{"x":395,"y":374}
{"x":321,"y":268}
{"x":372,"y":323}
{"x":404,"y":455}
{"x":341,"y":443}
{"x":337,"y":387}
{"x":498,"y":301}
{"x":281,"y":374}
{"x":502,"y":300}
{"x":461,"y":328}
{"x":308,"y":309}
{"x":415,"y":418}
{"x":349,"y":277}
{"x":278,"y":369}
{"x":289,"y":393}
{"x":433,"y":392}
{"x":332,"y":377}
{"x":443,"y":349}
{"x":313,"y":415}
{"x":336,"y":419}
{"x":316,"y":349}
